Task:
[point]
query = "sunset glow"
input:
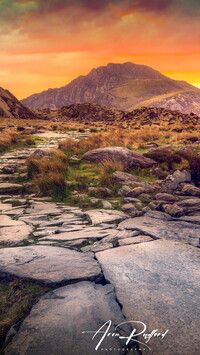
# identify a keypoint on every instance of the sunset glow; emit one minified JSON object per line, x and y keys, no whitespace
{"x":46,"y":43}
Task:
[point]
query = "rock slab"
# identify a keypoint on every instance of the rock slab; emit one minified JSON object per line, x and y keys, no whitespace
{"x":181,"y":231}
{"x":51,"y":265}
{"x":157,"y":283}
{"x":62,"y":320}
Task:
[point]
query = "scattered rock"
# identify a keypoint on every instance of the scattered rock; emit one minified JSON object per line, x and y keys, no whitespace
{"x":190,"y":190}
{"x":191,"y":205}
{"x":128,"y":192}
{"x":172,"y":181}
{"x":100,"y":191}
{"x":124,"y":178}
{"x":173,"y":210}
{"x":107,"y":204}
{"x":165,"y":197}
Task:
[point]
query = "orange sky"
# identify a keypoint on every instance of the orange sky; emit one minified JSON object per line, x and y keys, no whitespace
{"x":47,"y":43}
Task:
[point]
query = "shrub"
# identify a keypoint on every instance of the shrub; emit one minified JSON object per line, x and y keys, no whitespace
{"x":52,"y":184}
{"x":168,"y":157}
{"x":48,"y":173}
{"x":194,"y":163}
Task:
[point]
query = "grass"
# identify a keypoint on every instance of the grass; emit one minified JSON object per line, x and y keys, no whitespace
{"x":16,"y":299}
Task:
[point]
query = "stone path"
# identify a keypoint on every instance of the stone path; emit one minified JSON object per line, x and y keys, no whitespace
{"x":104,"y":266}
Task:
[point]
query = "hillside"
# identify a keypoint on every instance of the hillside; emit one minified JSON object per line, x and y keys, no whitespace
{"x":10,"y":107}
{"x":121,"y":86}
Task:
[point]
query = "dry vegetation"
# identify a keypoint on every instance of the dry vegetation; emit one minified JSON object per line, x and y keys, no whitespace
{"x":48,"y":172}
{"x":10,"y":139}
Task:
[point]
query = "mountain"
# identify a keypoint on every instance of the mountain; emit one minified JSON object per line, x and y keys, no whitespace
{"x":121,"y":86}
{"x":93,"y":114}
{"x":10,"y":107}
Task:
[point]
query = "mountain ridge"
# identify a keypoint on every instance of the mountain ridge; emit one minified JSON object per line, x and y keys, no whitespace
{"x":120,"y":86}
{"x":10,"y":107}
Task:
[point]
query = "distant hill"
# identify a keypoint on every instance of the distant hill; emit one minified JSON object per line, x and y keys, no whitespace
{"x":10,"y":107}
{"x":91,"y":114}
{"x":121,"y":86}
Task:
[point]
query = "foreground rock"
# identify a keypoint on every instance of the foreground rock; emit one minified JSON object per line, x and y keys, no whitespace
{"x":155,"y":226}
{"x":64,"y":321}
{"x":125,"y":156}
{"x":50,"y":265}
{"x":159,"y":287}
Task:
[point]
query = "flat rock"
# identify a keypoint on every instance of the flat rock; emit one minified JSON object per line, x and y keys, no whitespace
{"x":105,"y":216}
{"x":65,"y":320}
{"x":86,"y":233}
{"x":7,"y":221}
{"x":135,"y":240}
{"x":14,"y":234}
{"x":125,"y":156}
{"x":157,"y":283}
{"x":51,"y":265}
{"x":5,"y":206}
{"x":184,"y":232}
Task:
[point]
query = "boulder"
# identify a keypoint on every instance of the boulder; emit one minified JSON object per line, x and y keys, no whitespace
{"x":190,"y":190}
{"x":172,"y":181}
{"x":125,"y":156}
{"x":165,"y":197}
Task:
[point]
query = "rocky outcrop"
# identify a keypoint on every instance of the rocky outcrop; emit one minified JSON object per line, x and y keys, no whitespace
{"x":10,"y":107}
{"x":122,"y":86}
{"x":125,"y":156}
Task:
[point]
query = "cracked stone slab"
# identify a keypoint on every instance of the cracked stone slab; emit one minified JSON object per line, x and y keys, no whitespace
{"x":59,"y":322}
{"x":86,"y":233}
{"x":157,"y":283}
{"x":182,"y":231}
{"x":48,"y":208}
{"x":105,"y":216}
{"x":15,"y":234}
{"x":51,"y":265}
